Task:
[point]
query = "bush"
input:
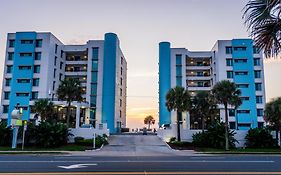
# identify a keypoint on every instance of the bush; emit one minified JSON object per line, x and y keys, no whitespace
{"x":77,"y":139}
{"x":6,"y":134}
{"x":100,"y":140}
{"x":172,"y":139}
{"x":260,"y":138}
{"x":214,"y":137}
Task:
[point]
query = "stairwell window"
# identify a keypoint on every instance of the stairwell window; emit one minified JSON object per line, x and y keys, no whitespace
{"x":241,"y":73}
{"x":259,"y":99}
{"x":229,"y":74}
{"x":36,"y":69}
{"x":228,"y":50}
{"x":241,"y":48}
{"x":38,"y":43}
{"x":257,"y":74}
{"x":229,"y":62}
{"x":10,"y":55}
{"x":26,"y":41}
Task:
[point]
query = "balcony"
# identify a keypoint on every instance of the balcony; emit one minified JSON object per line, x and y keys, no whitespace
{"x":196,"y":88}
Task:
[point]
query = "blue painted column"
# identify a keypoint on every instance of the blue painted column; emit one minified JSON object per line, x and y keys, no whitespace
{"x":164,"y":81}
{"x":109,"y":81}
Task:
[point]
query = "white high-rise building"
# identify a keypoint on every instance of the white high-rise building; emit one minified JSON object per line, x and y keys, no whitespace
{"x":35,"y":63}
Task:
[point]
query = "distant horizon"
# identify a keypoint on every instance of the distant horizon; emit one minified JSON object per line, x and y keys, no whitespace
{"x":140,"y":26}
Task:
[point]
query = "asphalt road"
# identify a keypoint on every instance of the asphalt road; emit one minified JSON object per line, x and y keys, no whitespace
{"x":139,"y":155}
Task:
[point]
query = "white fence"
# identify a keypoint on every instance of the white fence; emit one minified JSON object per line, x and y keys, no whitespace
{"x":87,"y":133}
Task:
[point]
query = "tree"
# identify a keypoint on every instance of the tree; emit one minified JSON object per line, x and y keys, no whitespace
{"x":272,"y":115}
{"x":262,"y":17}
{"x":44,"y":108}
{"x":203,"y":106}
{"x":149,"y":120}
{"x":69,"y":90}
{"x":226,"y":93}
{"x":178,"y":99}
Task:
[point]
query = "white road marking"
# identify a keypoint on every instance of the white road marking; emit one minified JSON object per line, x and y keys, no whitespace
{"x":77,"y":166}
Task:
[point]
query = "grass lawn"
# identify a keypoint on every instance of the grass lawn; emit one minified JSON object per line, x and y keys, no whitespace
{"x":69,"y":147}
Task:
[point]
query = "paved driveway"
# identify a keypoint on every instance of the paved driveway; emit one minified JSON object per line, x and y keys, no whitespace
{"x":138,"y":145}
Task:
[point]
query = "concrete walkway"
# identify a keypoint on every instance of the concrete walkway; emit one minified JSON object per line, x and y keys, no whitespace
{"x":137,"y":145}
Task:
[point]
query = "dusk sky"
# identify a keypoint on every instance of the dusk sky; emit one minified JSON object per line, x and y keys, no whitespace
{"x":140,"y":26}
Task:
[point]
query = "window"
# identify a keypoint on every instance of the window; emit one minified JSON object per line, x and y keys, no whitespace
{"x":241,"y":48}
{"x":93,"y":89}
{"x":10,"y":55}
{"x":6,"y":95}
{"x":61,"y":53}
{"x":241,"y":73}
{"x":121,"y":81}
{"x":22,"y":94}
{"x":8,"y":82}
{"x":258,"y":86}
{"x":121,"y":70}
{"x":229,"y":62}
{"x":232,"y":125}
{"x":12,"y":43}
{"x":178,"y":60}
{"x":231,"y":112}
{"x":121,"y":91}
{"x":36,"y":69}
{"x":257,"y":61}
{"x":122,"y":60}
{"x":200,"y":84}
{"x":242,"y":85}
{"x":55,"y":70}
{"x":260,"y":124}
{"x":96,"y":53}
{"x":258,"y":99}
{"x":55,"y":62}
{"x":257,"y":74}
{"x":60,"y":76}
{"x":37,"y":56}
{"x":61,"y":64}
{"x":5,"y":108}
{"x":35,"y":82}
{"x":247,"y":125}
{"x":9,"y":68}
{"x":38,"y":43}
{"x":23,"y":80}
{"x":245,"y":98}
{"x":56,"y":48}
{"x":179,"y":81}
{"x":54,"y":84}
{"x":259,"y":112}
{"x":240,"y":60}
{"x":26,"y":54}
{"x":94,"y":77}
{"x":178,"y":71}
{"x":199,"y":74}
{"x":228,"y":50}
{"x":94,"y":65}
{"x":243,"y":111}
{"x":24,"y":67}
{"x":34,"y":95}
{"x":120,"y":114}
{"x":229,"y":74}
{"x":256,"y":50}
{"x":26,"y":41}
{"x":120,"y":103}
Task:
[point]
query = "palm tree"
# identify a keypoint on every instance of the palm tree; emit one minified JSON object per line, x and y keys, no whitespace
{"x":178,"y":99}
{"x":272,"y":115}
{"x":44,"y":108}
{"x":69,"y":90}
{"x":148,"y":120}
{"x":203,"y":106}
{"x":263,"y":19}
{"x":226,"y":93}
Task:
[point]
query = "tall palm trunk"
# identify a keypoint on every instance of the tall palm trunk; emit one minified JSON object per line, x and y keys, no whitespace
{"x":68,"y":114}
{"x":178,"y":126}
{"x":226,"y":128}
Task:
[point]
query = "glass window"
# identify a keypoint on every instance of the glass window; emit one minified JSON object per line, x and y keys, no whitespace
{"x":22,"y":94}
{"x":256,"y":50}
{"x":93,"y":100}
{"x":241,"y":73}
{"x":55,"y":62}
{"x":228,"y":50}
{"x":61,"y":53}
{"x":178,"y":60}
{"x":34,"y":95}
{"x":37,"y":56}
{"x":257,"y":74}
{"x":122,"y":60}
{"x":242,"y":85}
{"x":26,"y":54}
{"x":54,"y":85}
{"x":61,"y":64}
{"x":23,"y":80}
{"x":94,"y":65}
{"x":179,"y":81}
{"x":35,"y":82}
{"x":258,"y":99}
{"x":240,"y":60}
{"x":258,"y":86}
{"x":60,"y":78}
{"x":178,"y":71}
{"x":24,"y":67}
{"x":229,"y":62}
{"x":55,"y":71}
{"x":243,"y":111}
{"x":241,"y":48}
{"x":38,"y":43}
{"x":94,"y":77}
{"x":229,"y":74}
{"x":257,"y":61}
{"x":95,"y":53}
{"x":9,"y":69}
{"x":6,"y":95}
{"x":231,"y":112}
{"x":120,"y":103}
{"x":36,"y":69}
{"x":10,"y":55}
{"x":5,"y":108}
{"x":12,"y":43}
{"x":8,"y":82}
{"x":26,"y":41}
{"x":245,"y":98}
{"x":93,"y":89}
{"x":56,"y":48}
{"x":260,"y":112}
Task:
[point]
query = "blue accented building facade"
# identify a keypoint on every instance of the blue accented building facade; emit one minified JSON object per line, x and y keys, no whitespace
{"x":237,"y":60}
{"x":36,"y":62}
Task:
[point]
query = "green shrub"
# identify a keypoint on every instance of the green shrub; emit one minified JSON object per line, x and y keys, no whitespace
{"x":177,"y":143}
{"x":172,"y":139}
{"x":6,"y":134}
{"x":77,"y":139}
{"x":214,"y":137}
{"x":260,"y":138}
{"x":100,"y":140}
